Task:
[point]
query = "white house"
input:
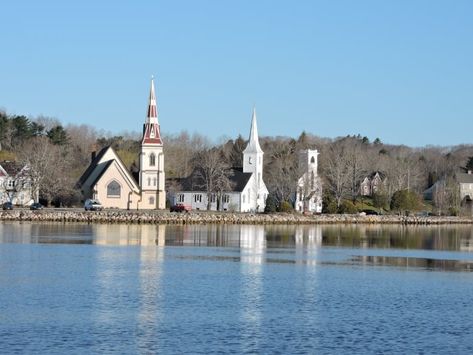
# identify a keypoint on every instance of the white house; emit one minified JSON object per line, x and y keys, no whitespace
{"x":15,"y":185}
{"x":108,"y":179}
{"x":309,"y":185}
{"x":248,"y":191}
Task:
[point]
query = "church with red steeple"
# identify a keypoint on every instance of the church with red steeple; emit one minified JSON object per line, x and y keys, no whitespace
{"x":108,"y":180}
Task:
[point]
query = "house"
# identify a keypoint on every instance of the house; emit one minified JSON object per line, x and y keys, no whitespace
{"x":15,"y":185}
{"x":461,"y":185}
{"x":247,"y":193}
{"x":108,"y":179}
{"x":465,"y":183}
{"x":309,"y":186}
{"x":372,"y":184}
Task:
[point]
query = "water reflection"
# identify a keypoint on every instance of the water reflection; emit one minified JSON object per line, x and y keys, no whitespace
{"x":150,"y":295}
{"x":308,"y":241}
{"x":413,"y":262}
{"x":257,"y":244}
{"x":252,"y":252}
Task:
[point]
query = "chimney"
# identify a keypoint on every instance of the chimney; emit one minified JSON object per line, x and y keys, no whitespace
{"x":93,"y":152}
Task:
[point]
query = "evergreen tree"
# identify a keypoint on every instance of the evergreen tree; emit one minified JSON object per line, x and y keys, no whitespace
{"x":469,"y":164}
{"x":58,"y":135}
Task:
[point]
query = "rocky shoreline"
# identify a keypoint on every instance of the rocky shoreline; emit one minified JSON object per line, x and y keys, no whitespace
{"x":164,"y":217}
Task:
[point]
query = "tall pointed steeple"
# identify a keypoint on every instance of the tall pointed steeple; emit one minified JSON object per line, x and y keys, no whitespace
{"x":151,"y":132}
{"x":253,"y":143}
{"x":151,"y":174}
{"x":152,"y":116}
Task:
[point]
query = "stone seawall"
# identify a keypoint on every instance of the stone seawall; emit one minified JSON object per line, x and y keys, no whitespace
{"x":161,"y":217}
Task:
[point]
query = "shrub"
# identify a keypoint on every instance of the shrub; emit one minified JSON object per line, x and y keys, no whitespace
{"x":405,"y":200}
{"x":381,"y":200}
{"x":453,"y":211}
{"x":285,"y":207}
{"x":347,"y":207}
{"x":329,"y":205}
{"x":271,"y":204}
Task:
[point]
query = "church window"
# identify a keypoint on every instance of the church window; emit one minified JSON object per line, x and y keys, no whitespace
{"x":180,"y":198}
{"x":151,"y":200}
{"x":154,"y":181}
{"x":149,"y":181}
{"x":312,"y":160}
{"x":213,"y":198}
{"x":198,"y":198}
{"x":152,"y":159}
{"x":249,"y":160}
{"x":312,"y":180}
{"x":226,"y":198}
{"x":113,"y":189}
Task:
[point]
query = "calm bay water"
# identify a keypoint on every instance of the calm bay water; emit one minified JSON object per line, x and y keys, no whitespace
{"x":235,"y":289}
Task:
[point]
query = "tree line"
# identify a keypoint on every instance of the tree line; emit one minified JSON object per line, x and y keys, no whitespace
{"x":57,"y":155}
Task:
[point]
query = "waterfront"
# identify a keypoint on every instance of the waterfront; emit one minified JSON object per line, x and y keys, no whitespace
{"x":242,"y":289}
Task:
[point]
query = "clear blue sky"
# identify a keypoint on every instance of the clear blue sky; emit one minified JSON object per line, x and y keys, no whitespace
{"x":401,"y":70}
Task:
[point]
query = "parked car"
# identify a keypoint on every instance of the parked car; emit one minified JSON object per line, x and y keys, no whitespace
{"x":180,"y":207}
{"x":371,"y":212}
{"x":36,"y":206}
{"x":7,"y":206}
{"x":93,"y":205}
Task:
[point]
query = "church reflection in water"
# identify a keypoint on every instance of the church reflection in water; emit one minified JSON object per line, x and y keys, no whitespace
{"x":129,"y":234}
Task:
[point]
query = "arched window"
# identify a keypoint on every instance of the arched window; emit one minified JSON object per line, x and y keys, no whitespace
{"x":155,"y":181}
{"x":113,"y":189}
{"x":152,"y":159}
{"x":312,"y":180}
{"x":312,"y":160}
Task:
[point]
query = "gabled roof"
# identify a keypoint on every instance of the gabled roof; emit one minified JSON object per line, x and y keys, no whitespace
{"x":380,"y":174}
{"x":104,"y":169}
{"x":99,"y":166}
{"x":10,"y":168}
{"x":92,"y":166}
{"x":194,"y":182}
{"x":464,"y":178}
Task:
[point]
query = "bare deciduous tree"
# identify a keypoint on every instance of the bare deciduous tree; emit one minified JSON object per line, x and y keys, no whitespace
{"x":337,"y":171}
{"x":47,"y":167}
{"x":212,"y":171}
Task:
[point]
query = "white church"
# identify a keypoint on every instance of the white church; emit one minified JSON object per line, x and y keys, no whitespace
{"x":309,"y":186}
{"x":248,"y":191}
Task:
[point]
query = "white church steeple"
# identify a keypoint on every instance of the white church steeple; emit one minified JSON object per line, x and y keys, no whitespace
{"x":253,"y":163}
{"x":253,"y":143}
